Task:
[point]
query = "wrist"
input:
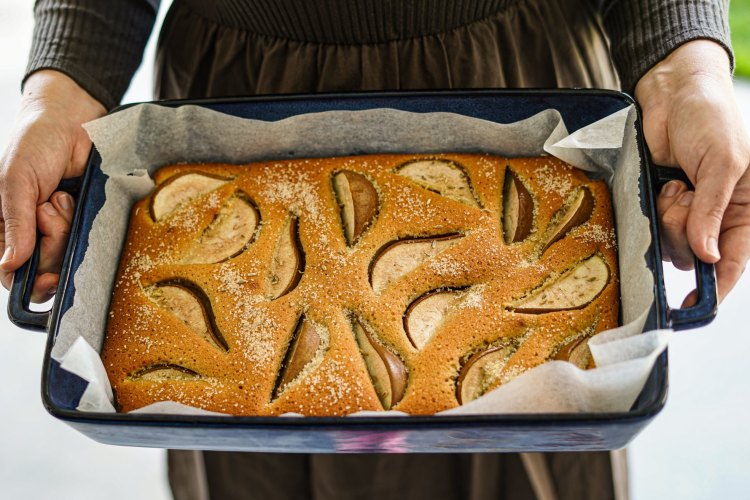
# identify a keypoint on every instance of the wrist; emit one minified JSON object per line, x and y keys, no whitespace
{"x":48,"y":88}
{"x":694,"y":63}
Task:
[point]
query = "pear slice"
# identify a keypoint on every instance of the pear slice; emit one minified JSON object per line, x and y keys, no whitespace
{"x":425,"y":314}
{"x":228,"y":235}
{"x":303,"y":349}
{"x":575,"y":348}
{"x":387,"y":372}
{"x":288,"y":262}
{"x":576,"y":210}
{"x":444,"y":177}
{"x":165,"y":372}
{"x":358,"y":200}
{"x":481,"y":372}
{"x":576,"y":351}
{"x":397,"y":258}
{"x":574,"y":289}
{"x":181,"y":189}
{"x":518,"y":209}
{"x":187,"y":302}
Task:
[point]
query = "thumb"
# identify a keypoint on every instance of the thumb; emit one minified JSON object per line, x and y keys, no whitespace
{"x":712,"y":195}
{"x":18,"y":195}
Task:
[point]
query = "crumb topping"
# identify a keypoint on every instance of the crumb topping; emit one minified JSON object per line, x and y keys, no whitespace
{"x":551,"y":181}
{"x":473,"y":297}
{"x":595,"y":233}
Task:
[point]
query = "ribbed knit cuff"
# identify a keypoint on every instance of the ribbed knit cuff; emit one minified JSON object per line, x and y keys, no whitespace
{"x":99,"y":44}
{"x":643,"y":32}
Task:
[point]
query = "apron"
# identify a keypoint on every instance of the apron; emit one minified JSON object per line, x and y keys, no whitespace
{"x":225,"y":48}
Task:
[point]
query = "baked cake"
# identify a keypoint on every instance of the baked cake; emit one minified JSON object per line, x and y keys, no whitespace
{"x":328,"y":286}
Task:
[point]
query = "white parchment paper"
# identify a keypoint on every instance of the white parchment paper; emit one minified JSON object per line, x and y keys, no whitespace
{"x":135,"y":142}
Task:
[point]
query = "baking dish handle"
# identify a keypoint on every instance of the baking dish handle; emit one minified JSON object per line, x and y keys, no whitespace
{"x":705,"y":308}
{"x":20,"y":295}
{"x":19,"y":298}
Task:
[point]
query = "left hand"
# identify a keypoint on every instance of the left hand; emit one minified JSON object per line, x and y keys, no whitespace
{"x":691,"y":120}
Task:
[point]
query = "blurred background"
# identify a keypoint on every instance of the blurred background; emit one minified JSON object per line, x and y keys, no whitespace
{"x":697,"y":448}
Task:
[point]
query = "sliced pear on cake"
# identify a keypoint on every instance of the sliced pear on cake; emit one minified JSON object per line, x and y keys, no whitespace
{"x":576,"y":210}
{"x":165,"y":373}
{"x":574,"y":289}
{"x":575,"y":348}
{"x":444,"y":177}
{"x":182,"y":189}
{"x":288,"y":262}
{"x":400,"y":257}
{"x":230,"y":232}
{"x":518,"y":209}
{"x":425,"y":314}
{"x":187,"y":302}
{"x":576,"y":351}
{"x":358,"y":201}
{"x":303,"y":351}
{"x":387,"y":372}
{"x":482,"y":372}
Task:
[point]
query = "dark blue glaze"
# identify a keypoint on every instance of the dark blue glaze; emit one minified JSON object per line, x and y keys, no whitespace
{"x":61,"y":391}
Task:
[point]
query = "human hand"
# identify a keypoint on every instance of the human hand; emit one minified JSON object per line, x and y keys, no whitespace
{"x":47,"y":144}
{"x":691,"y":120}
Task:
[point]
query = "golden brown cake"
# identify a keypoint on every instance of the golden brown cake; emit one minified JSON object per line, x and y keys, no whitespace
{"x":329,"y":286}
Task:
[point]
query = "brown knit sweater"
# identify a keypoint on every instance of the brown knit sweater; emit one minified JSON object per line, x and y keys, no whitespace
{"x":100,"y":43}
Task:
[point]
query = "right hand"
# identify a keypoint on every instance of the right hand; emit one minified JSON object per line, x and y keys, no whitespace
{"x":691,"y":119}
{"x":47,"y":144}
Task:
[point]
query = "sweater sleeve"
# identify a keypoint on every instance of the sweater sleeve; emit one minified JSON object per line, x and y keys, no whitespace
{"x":99,"y":44}
{"x":643,"y":32}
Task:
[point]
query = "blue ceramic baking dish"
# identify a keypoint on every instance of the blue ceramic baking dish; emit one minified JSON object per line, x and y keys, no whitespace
{"x":61,"y":390}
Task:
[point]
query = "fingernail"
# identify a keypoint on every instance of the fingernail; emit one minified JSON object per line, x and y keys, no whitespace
{"x":52,"y":290}
{"x":7,"y":255}
{"x":686,"y":199}
{"x":713,"y":247}
{"x":49,"y":209}
{"x":65,"y":201}
{"x":671,"y":188}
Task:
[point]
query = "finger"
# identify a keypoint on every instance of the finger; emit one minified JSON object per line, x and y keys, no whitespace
{"x":735,"y":249}
{"x":45,"y":287}
{"x":54,"y":230}
{"x":19,"y":217}
{"x":6,"y":279}
{"x":674,"y":238}
{"x":690,"y":299}
{"x":712,"y":195}
{"x":727,"y":275}
{"x":64,"y":203}
{"x":667,"y":197}
{"x":53,"y":219}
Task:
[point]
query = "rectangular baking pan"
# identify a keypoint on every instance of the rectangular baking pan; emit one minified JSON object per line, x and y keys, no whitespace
{"x":61,"y":390}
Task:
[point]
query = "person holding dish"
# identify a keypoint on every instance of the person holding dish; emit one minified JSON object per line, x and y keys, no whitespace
{"x":674,"y":57}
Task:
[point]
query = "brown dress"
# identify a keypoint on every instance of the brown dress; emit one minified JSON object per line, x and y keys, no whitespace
{"x":532,"y":43}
